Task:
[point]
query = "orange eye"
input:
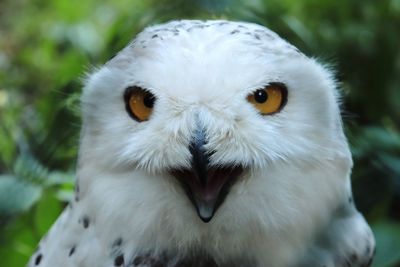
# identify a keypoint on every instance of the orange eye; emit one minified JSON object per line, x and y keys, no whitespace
{"x":269,"y":99}
{"x":139,"y":103}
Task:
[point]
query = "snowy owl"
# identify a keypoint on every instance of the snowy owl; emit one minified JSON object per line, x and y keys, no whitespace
{"x":210,"y":143}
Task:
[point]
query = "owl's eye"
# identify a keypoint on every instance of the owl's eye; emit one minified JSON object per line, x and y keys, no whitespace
{"x":139,"y":103}
{"x":270,"y":99}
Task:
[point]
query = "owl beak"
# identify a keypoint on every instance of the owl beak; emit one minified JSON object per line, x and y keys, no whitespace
{"x":206,"y":186}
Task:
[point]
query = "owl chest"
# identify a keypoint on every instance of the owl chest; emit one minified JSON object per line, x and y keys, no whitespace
{"x":164,"y":260}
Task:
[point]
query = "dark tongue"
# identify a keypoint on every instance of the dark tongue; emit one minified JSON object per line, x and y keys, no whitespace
{"x":208,"y":193}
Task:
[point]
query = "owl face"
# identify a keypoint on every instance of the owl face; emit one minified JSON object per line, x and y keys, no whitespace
{"x":213,"y":107}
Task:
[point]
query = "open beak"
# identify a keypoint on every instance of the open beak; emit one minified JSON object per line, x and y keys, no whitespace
{"x":206,"y":186}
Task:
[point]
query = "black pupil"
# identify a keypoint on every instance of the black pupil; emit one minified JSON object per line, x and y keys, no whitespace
{"x":148,"y":100}
{"x":260,"y":96}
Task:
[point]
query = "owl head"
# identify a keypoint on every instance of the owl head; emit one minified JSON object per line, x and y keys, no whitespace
{"x":221,"y":119}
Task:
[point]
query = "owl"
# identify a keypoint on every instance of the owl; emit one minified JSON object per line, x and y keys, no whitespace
{"x":210,"y":144}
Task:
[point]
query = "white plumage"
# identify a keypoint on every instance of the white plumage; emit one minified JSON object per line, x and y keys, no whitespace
{"x":286,"y":197}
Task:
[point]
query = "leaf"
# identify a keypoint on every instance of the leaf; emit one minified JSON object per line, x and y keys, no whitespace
{"x":27,"y":168}
{"x":300,"y":29}
{"x":47,"y":211}
{"x":17,"y":196}
{"x":18,"y":241}
{"x":59,"y":178}
{"x":388,"y":243}
{"x":391,"y":162}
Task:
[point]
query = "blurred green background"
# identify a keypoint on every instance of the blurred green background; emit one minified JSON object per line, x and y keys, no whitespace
{"x":47,"y":46}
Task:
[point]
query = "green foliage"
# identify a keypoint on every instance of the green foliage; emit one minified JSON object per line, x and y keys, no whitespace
{"x":387,"y":236}
{"x":47,"y":46}
{"x":17,"y":196}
